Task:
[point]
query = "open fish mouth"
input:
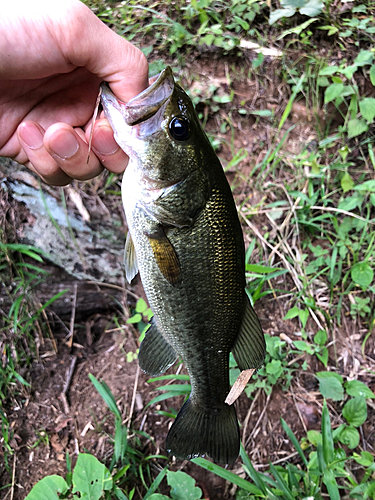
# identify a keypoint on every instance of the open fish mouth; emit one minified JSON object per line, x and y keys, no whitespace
{"x":142,"y":107}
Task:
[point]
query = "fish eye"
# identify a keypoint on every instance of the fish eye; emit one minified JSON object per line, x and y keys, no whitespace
{"x":179,"y":128}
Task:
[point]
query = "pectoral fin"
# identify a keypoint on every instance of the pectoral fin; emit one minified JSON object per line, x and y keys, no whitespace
{"x":165,"y":256}
{"x":249,"y":348}
{"x":155,"y":354}
{"x":130,"y":259}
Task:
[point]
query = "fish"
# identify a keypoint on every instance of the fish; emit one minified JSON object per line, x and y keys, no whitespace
{"x":185,"y":239}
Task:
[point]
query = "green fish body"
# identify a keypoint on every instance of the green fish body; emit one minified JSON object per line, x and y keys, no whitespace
{"x":186,"y":241}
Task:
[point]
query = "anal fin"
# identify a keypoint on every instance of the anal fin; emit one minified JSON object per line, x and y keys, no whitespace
{"x":130,"y":259}
{"x":155,"y":353}
{"x":249,"y":349}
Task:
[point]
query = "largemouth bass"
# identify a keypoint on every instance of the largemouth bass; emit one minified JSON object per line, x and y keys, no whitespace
{"x":186,"y":241}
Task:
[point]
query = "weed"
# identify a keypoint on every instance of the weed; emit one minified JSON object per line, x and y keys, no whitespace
{"x":18,"y":340}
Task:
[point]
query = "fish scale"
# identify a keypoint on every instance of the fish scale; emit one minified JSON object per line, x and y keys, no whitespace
{"x":185,"y":239}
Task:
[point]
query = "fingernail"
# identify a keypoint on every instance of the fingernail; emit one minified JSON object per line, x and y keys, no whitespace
{"x":31,"y":134}
{"x":103,"y":141}
{"x":64,"y":145}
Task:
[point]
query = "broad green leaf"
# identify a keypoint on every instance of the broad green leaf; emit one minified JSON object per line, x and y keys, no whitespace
{"x":48,"y":488}
{"x":274,"y":367}
{"x":279,"y":13}
{"x":357,"y":388}
{"x":321,"y":337}
{"x":303,"y":346}
{"x":332,"y":92}
{"x":365,"y":458}
{"x":158,"y":496}
{"x":292,"y":313}
{"x":183,"y":486}
{"x":314,"y":437}
{"x":303,"y":316}
{"x":355,"y":411}
{"x":141,"y":306}
{"x":356,"y":127}
{"x":323,"y":356}
{"x":364,"y":57}
{"x":347,"y":182}
{"x":329,"y":70}
{"x":330,"y":375}
{"x":366,"y":187}
{"x":367,"y":108}
{"x":135,"y":319}
{"x":90,"y":477}
{"x":312,"y":8}
{"x":330,"y":386}
{"x":372,"y":74}
{"x":349,"y":436}
{"x":362,"y":274}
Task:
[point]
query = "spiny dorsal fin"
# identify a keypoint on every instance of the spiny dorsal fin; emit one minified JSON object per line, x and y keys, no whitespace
{"x":249,"y":349}
{"x":155,"y":353}
{"x":165,"y":256}
{"x":130,"y":259}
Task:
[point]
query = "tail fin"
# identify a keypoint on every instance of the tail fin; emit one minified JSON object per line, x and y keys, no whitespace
{"x":199,"y":431}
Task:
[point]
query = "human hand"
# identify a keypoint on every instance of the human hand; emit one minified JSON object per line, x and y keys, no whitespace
{"x":53,"y":56}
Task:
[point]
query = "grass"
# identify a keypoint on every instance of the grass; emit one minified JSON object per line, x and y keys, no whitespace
{"x":305,"y":189}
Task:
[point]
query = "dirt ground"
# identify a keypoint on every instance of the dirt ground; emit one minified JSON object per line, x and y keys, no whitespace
{"x":56,"y":418}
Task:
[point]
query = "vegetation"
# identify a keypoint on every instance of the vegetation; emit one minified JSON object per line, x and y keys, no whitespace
{"x":306,"y":198}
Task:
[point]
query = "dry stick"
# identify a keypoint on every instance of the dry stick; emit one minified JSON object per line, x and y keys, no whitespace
{"x":246,"y":422}
{"x":72,"y":317}
{"x":259,"y":419}
{"x":278,"y":461}
{"x":286,"y":264}
{"x":69,"y":375}
{"x":13,"y":478}
{"x":44,"y":314}
{"x":298,"y":411}
{"x":115,"y":287}
{"x":239,"y":386}
{"x":134,"y":395}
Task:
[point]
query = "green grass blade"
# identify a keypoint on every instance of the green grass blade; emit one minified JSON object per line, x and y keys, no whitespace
{"x":162,"y":397}
{"x":289,"y":106}
{"x":228,"y":476}
{"x":327,"y":440}
{"x":294,"y":440}
{"x":253,"y":474}
{"x":169,"y":377}
{"x":155,"y":485}
{"x":106,"y":394}
{"x":330,"y":481}
{"x":281,"y":484}
{"x":175,"y":388}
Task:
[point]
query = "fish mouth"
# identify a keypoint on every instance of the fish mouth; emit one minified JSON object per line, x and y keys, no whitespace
{"x":143,"y":106}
